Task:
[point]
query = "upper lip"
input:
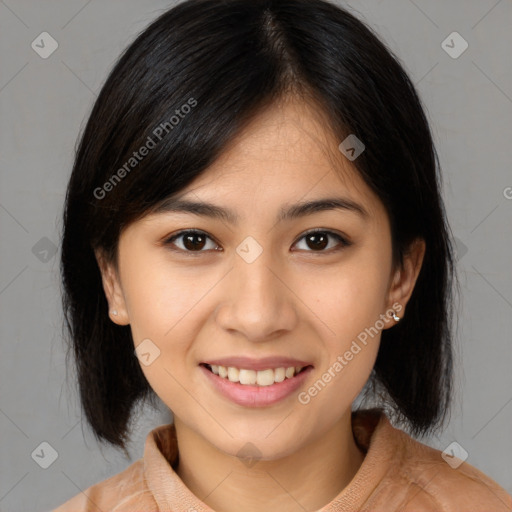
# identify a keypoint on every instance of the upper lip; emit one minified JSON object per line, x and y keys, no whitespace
{"x":263,"y":363}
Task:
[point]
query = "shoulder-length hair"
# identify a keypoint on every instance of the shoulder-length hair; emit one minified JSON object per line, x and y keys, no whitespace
{"x":183,"y":89}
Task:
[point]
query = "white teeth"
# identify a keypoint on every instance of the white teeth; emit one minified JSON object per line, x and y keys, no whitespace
{"x":253,"y":377}
{"x":265,"y":377}
{"x":248,"y":377}
{"x":233,"y":374}
{"x":279,"y":374}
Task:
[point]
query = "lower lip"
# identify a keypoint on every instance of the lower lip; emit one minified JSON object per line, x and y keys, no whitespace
{"x":256,"y":396}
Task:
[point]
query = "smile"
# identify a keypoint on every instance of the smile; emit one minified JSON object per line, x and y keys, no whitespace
{"x":252,"y":377}
{"x":243,"y":387}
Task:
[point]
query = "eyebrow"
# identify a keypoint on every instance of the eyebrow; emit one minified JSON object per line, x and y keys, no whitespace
{"x":294,"y":211}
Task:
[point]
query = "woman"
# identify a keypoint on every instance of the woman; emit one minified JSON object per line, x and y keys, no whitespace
{"x":254,"y":233}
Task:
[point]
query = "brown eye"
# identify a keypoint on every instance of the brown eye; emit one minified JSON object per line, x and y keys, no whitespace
{"x":195,"y":241}
{"x":192,"y":241}
{"x":318,"y":240}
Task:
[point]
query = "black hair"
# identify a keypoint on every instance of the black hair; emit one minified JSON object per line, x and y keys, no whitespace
{"x":184,"y":89}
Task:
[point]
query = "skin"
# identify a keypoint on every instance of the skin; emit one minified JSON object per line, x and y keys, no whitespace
{"x":294,"y":300}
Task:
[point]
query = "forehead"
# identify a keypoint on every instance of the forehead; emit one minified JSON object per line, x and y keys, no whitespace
{"x":287,"y":154}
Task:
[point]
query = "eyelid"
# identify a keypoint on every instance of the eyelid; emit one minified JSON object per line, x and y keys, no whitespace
{"x":342,"y":239}
{"x":168,"y":241}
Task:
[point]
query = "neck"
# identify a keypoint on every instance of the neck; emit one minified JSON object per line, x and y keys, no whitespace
{"x":225,"y":485}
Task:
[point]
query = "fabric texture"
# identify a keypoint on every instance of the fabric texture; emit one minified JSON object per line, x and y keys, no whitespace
{"x":398,"y":474}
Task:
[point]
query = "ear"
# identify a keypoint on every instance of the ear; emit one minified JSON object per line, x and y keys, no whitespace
{"x":113,"y":290}
{"x":404,"y":279}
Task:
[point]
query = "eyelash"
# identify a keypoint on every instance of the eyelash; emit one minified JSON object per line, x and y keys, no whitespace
{"x":343,"y":241}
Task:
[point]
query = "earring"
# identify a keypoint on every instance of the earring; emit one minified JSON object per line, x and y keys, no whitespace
{"x":114,"y":312}
{"x":396,"y":318}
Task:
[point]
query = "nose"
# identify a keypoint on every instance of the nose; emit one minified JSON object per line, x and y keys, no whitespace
{"x":257,"y":301}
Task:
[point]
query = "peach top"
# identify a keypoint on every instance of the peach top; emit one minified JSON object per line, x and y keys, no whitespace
{"x":398,"y":474}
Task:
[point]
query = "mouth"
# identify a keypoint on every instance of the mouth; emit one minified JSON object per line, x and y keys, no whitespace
{"x":251,"y":388}
{"x":247,"y":377}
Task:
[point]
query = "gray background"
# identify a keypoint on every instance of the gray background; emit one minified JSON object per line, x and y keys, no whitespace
{"x":44,"y":103}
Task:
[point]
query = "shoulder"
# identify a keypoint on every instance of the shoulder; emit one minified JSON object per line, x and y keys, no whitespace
{"x":125,"y":491}
{"x":421,"y":480}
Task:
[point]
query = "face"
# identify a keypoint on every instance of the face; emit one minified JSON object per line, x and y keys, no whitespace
{"x":260,"y":286}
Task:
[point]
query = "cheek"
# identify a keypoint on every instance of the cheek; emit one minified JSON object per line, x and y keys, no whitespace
{"x":167,"y":306}
{"x":350,"y":309}
{"x":348,"y":298}
{"x":349,"y":304}
{"x":162,"y":302}
{"x":162,"y":297}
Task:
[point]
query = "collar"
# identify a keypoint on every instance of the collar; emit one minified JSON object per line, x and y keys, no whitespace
{"x":373,"y":434}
